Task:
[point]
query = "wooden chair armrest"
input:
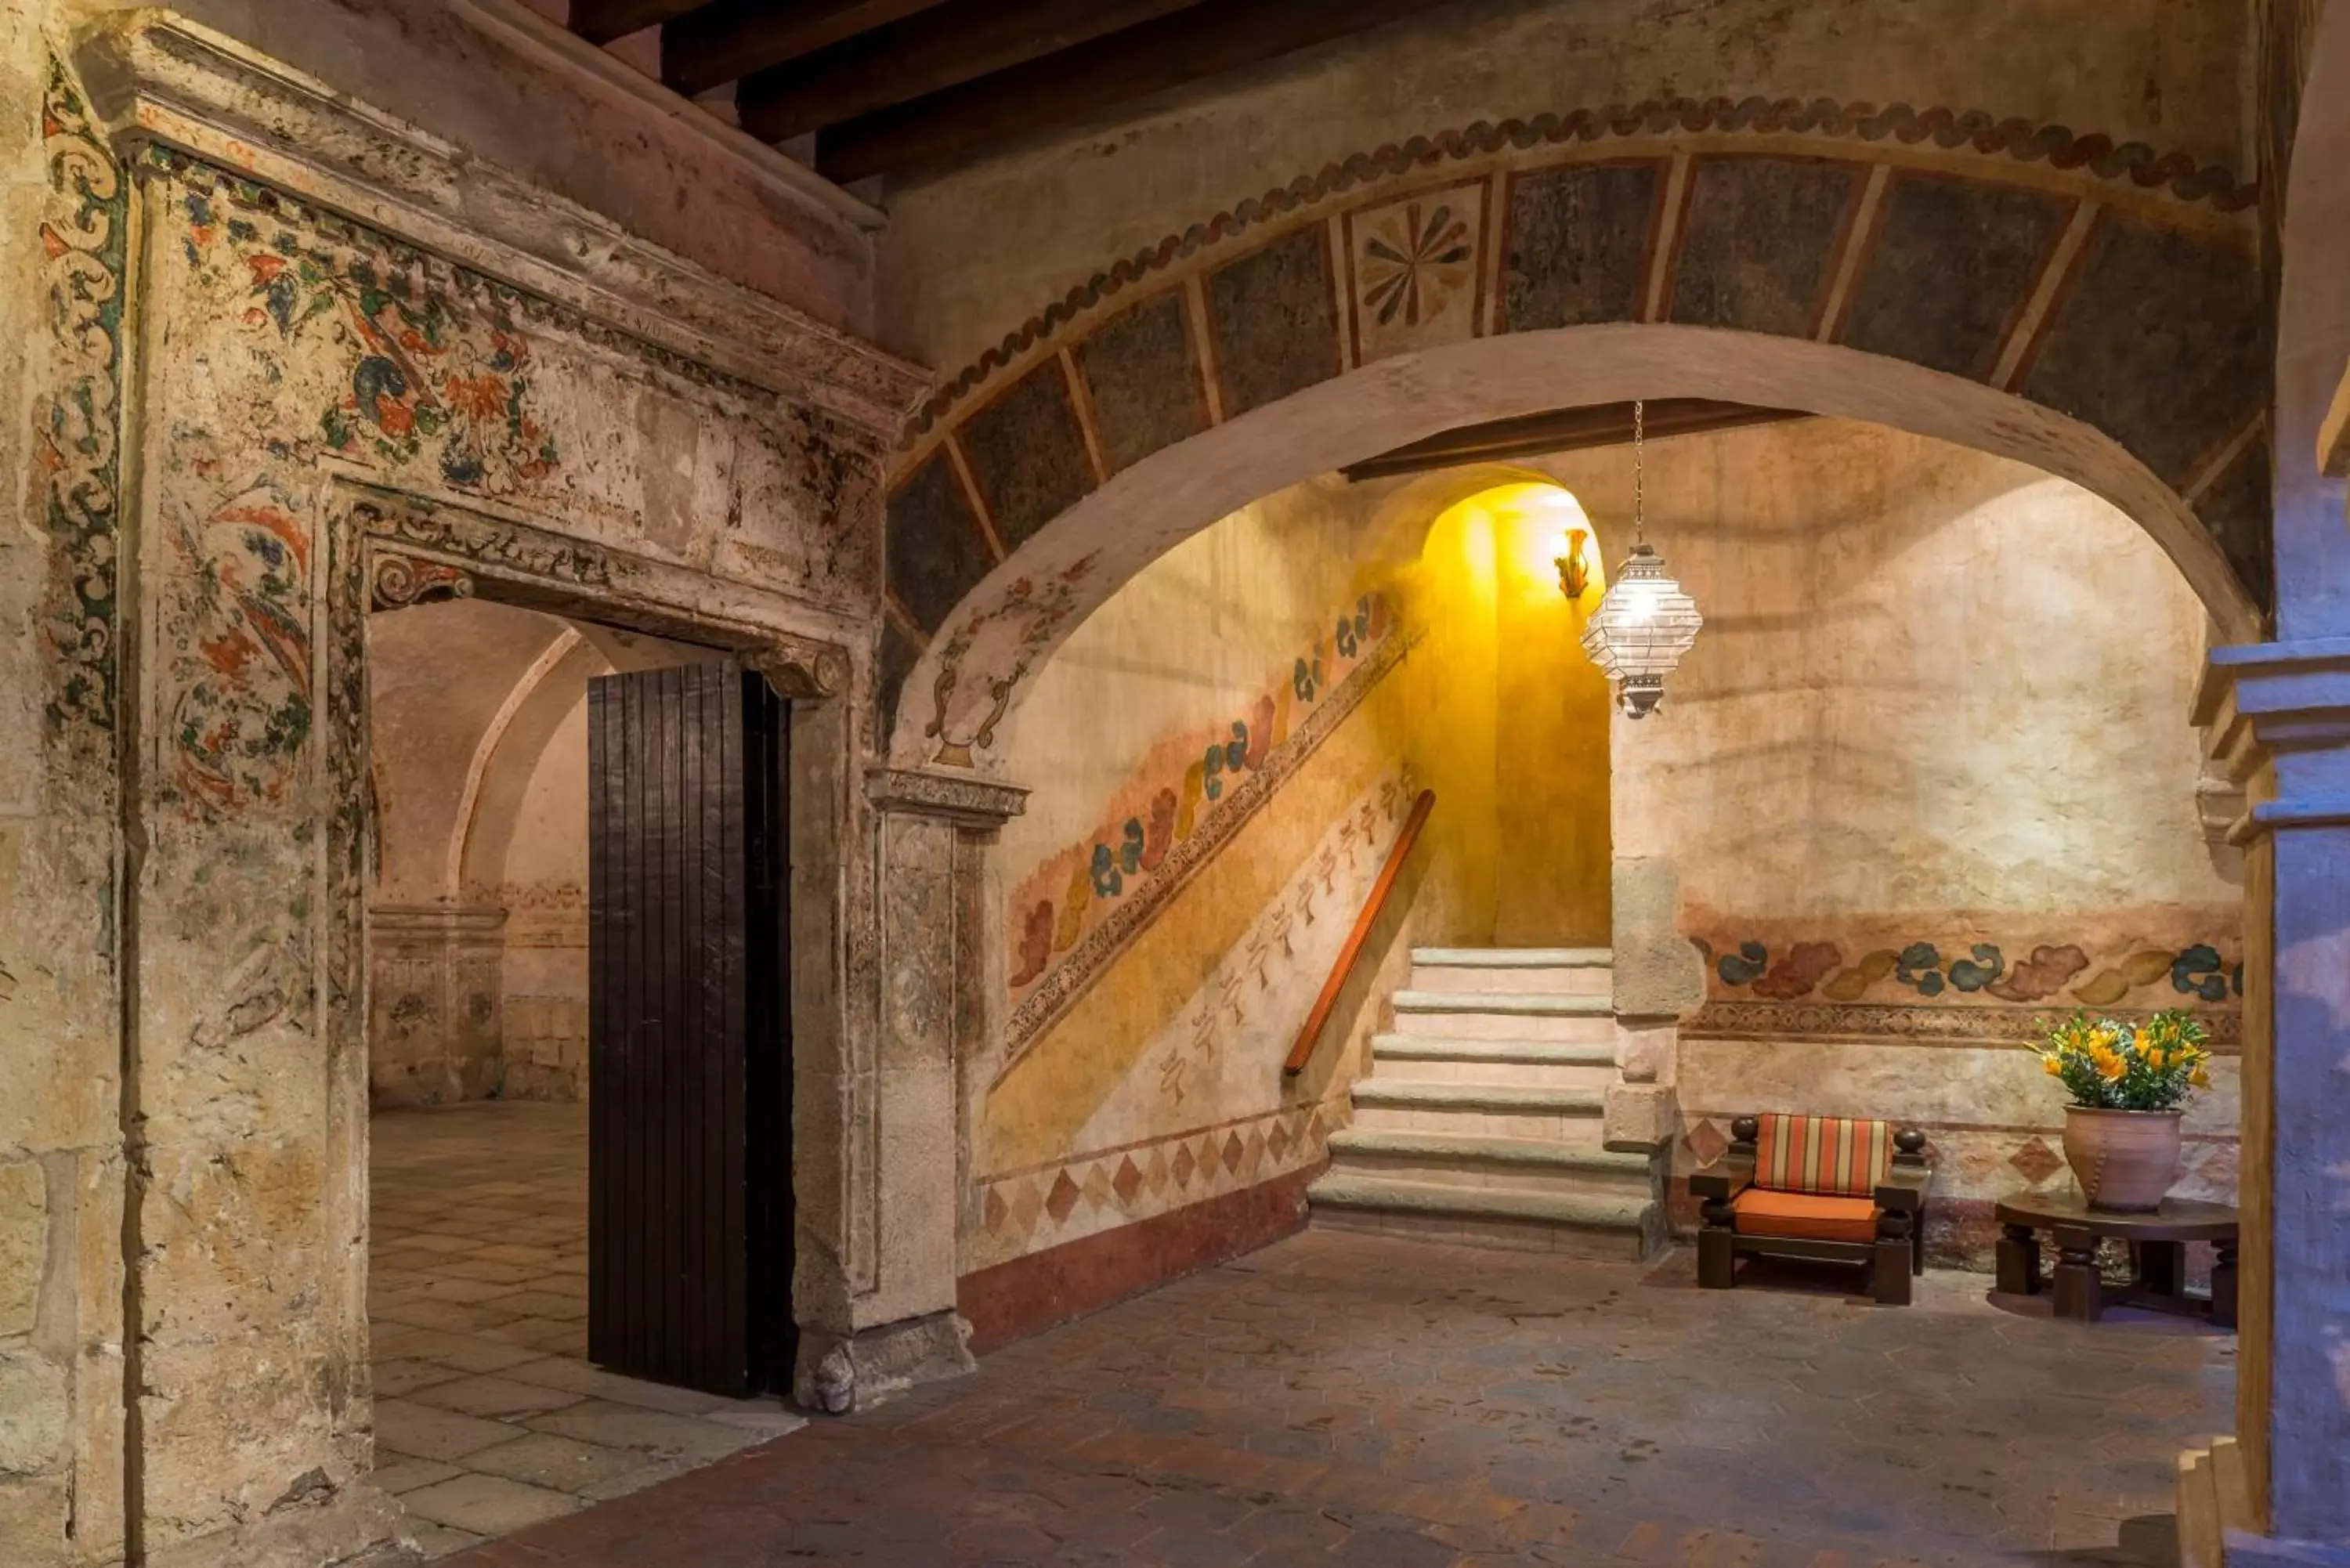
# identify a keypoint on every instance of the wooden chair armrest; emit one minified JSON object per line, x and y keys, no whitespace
{"x":1904,"y":1188}
{"x":1722,"y":1180}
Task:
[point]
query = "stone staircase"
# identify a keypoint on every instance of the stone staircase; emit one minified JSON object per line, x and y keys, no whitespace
{"x":1481,"y":1118}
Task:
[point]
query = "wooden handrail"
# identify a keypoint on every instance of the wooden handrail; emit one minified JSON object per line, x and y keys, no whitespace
{"x":1373,"y":907}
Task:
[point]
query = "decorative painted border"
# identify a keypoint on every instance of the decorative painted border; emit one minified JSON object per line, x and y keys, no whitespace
{"x":2021,"y":979}
{"x":1025,"y":1211}
{"x":161,"y":79}
{"x":1888,"y":1023}
{"x":1065,"y":894}
{"x":1070,"y":979}
{"x":1949,"y":129}
{"x":77,"y":443}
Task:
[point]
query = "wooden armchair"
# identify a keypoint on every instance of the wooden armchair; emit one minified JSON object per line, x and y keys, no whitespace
{"x":1834,"y":1189}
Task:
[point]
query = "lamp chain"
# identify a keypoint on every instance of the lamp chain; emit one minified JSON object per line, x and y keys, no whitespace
{"x":1640,"y":471}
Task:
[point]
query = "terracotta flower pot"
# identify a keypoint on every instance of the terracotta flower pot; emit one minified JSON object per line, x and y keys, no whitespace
{"x":2124,"y":1160}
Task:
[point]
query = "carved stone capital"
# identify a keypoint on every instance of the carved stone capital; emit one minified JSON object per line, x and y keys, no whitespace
{"x":396,"y":582}
{"x":2276,"y":717}
{"x":801,"y":669}
{"x":963,"y":798}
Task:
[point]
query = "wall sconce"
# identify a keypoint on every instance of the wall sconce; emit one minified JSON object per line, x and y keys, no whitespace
{"x":1574,"y":564}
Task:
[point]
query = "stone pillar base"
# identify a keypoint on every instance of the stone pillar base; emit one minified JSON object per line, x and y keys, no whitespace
{"x":357,"y":1526}
{"x":839,"y":1374}
{"x":1640,"y":1117}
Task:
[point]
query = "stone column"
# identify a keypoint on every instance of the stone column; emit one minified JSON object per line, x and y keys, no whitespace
{"x":2278,"y":715}
{"x":904,"y":1122}
{"x":1658,"y":978}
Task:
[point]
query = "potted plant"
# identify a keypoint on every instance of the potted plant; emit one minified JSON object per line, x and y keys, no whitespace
{"x":2121,"y":1131}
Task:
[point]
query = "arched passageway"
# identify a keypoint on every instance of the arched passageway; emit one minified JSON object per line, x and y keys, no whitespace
{"x":2095,"y":316}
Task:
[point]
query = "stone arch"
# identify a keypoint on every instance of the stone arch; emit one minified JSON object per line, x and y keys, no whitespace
{"x":2091,"y":309}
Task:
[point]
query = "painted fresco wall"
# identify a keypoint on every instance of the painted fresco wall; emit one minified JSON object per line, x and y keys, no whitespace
{"x":1221,"y":759}
{"x":1926,"y":780}
{"x":974,"y":250}
{"x":294,"y":370}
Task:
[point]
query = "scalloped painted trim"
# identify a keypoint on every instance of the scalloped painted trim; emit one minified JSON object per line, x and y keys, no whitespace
{"x":2018,"y":139}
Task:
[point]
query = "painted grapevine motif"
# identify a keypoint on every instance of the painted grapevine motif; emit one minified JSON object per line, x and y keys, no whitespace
{"x":422,"y":376}
{"x":364,"y":350}
{"x":242,"y":712}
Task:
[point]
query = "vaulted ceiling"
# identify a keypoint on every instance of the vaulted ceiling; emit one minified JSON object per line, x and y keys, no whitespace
{"x":891,"y":86}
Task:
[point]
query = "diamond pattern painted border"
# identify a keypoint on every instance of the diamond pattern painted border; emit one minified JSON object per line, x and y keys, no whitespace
{"x":1030,"y":1210}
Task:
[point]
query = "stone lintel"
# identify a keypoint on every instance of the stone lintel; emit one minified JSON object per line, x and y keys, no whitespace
{"x":438,"y":922}
{"x":965,"y":799}
{"x":159,"y":77}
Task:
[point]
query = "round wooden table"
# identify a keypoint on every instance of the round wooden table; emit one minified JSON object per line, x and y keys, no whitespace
{"x":2157,"y":1251}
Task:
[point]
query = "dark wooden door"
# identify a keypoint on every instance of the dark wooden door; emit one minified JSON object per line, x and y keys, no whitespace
{"x":689,"y":1151}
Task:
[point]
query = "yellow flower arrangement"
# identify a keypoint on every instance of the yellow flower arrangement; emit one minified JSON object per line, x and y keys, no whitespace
{"x":2109,"y":1065}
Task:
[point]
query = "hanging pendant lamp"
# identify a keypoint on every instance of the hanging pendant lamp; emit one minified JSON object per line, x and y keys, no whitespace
{"x":1644,"y":622}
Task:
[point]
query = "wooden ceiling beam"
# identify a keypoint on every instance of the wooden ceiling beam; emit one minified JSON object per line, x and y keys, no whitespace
{"x":601,"y":21}
{"x":1563,"y":429}
{"x":717,"y":42}
{"x":961,"y":41}
{"x":1202,"y":40}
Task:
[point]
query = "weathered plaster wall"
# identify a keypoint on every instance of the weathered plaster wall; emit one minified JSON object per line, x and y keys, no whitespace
{"x":1220,"y":760}
{"x":62,"y":1162}
{"x":1925,"y":779}
{"x":482,"y":78}
{"x":478,"y":933}
{"x":545,"y":895}
{"x":185,"y":1378}
{"x":971,"y":252}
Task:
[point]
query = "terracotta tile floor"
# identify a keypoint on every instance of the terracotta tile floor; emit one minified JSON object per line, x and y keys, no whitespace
{"x":488,"y":1415}
{"x":1365,"y":1400}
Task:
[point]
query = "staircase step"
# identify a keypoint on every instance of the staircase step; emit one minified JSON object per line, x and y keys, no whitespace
{"x":1522,"y":1052}
{"x":1514,"y":958}
{"x":1466,"y":1160}
{"x":1580,"y":1224}
{"x":1438,"y":1059}
{"x":1558,"y":1114}
{"x":1505,"y":1014}
{"x":1515,"y":1155}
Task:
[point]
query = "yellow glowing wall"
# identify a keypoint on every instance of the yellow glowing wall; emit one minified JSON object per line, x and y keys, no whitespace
{"x":1509,"y":724}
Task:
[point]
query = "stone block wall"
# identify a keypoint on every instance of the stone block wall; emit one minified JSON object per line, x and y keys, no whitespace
{"x":435,"y":1030}
{"x":545,"y":1048}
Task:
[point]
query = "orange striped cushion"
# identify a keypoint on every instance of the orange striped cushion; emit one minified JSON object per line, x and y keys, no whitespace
{"x":1823,"y":1153}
